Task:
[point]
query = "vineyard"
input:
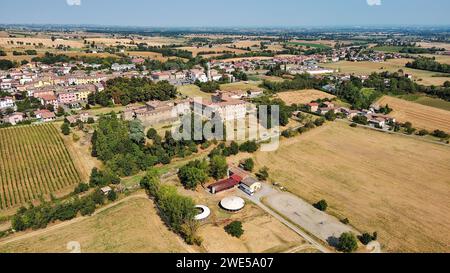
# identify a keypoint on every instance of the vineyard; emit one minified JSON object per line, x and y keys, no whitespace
{"x":33,"y":163}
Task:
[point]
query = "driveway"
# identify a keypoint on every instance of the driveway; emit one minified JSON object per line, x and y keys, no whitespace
{"x":320,"y":224}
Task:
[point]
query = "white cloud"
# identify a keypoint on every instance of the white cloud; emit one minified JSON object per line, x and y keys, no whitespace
{"x":374,"y":2}
{"x":73,"y":2}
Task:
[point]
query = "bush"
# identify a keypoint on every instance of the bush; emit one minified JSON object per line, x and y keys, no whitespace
{"x":423,"y":132}
{"x":440,"y":134}
{"x":82,"y":187}
{"x":235,"y":229}
{"x":263,"y":174}
{"x":319,"y":122}
{"x":249,"y":147}
{"x":345,"y":221}
{"x":321,"y":205}
{"x":112,"y":196}
{"x":65,"y":129}
{"x":248,"y":164}
{"x":366,"y":238}
{"x":354,"y":125}
{"x":347,"y":242}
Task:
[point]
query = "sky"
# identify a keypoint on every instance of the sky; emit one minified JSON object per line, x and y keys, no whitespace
{"x":227,"y":13}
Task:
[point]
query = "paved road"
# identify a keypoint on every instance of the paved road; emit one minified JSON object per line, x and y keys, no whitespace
{"x":257,"y":200}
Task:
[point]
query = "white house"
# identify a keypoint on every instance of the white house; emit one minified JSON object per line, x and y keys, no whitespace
{"x":7,"y":102}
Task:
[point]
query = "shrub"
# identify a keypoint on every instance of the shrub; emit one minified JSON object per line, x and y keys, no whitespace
{"x":347,"y":242}
{"x":263,"y":174}
{"x":319,"y":122}
{"x":423,"y":132}
{"x":82,"y":187}
{"x":366,"y":238}
{"x":235,"y":229}
{"x":321,"y":205}
{"x":345,"y":221}
{"x":354,"y":125}
{"x":248,"y":164}
{"x":440,"y":134}
{"x":112,"y":196}
{"x":65,"y":129}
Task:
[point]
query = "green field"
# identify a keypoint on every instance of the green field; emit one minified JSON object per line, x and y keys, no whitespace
{"x":193,"y":91}
{"x":428,"y":101}
{"x":34,"y":163}
{"x":311,"y":45}
{"x":389,"y":49}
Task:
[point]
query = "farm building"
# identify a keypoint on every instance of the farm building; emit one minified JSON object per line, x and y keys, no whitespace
{"x":238,"y":171}
{"x":250,"y":185}
{"x":232,"y":203}
{"x":225,"y":184}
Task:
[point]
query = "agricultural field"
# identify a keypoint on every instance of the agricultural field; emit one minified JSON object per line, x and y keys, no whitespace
{"x":33,"y":162}
{"x":421,"y":116}
{"x":393,"y":65}
{"x":218,"y":49}
{"x":245,"y":86}
{"x":303,"y":96}
{"x":45,"y":41}
{"x":395,"y":185}
{"x":140,"y":230}
{"x":308,"y":45}
{"x":426,"y":100}
{"x":430,"y":45}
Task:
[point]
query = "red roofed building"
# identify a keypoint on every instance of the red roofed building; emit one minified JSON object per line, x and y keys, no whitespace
{"x":225,"y":184}
{"x":314,"y":106}
{"x":45,"y":115}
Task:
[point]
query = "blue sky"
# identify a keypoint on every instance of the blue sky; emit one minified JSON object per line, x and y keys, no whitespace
{"x":212,"y":13}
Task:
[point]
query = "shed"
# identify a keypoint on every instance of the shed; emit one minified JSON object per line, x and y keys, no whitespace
{"x":225,"y":184}
{"x":250,"y":185}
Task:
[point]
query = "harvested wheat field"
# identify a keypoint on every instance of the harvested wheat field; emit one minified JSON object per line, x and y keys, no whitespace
{"x":217,"y":49}
{"x":366,"y":68}
{"x":47,"y":42}
{"x":395,"y":185}
{"x":139,"y":230}
{"x":303,"y":96}
{"x":421,"y":116}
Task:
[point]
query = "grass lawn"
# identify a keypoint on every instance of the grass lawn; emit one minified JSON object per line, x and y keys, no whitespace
{"x":193,"y":91}
{"x":245,"y":86}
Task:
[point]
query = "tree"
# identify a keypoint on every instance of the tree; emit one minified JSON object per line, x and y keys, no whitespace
{"x":235,"y":229}
{"x":366,"y":238}
{"x":347,"y":242}
{"x":330,"y":115}
{"x":263,"y":174}
{"x":65,"y":129}
{"x":112,"y":196}
{"x":248,"y":164}
{"x":152,"y":134}
{"x":321,"y":205}
{"x":137,"y":131}
{"x":191,"y":176}
{"x":82,"y":187}
{"x":319,"y":122}
{"x":87,"y":207}
{"x":218,"y":167}
{"x":60,"y":112}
